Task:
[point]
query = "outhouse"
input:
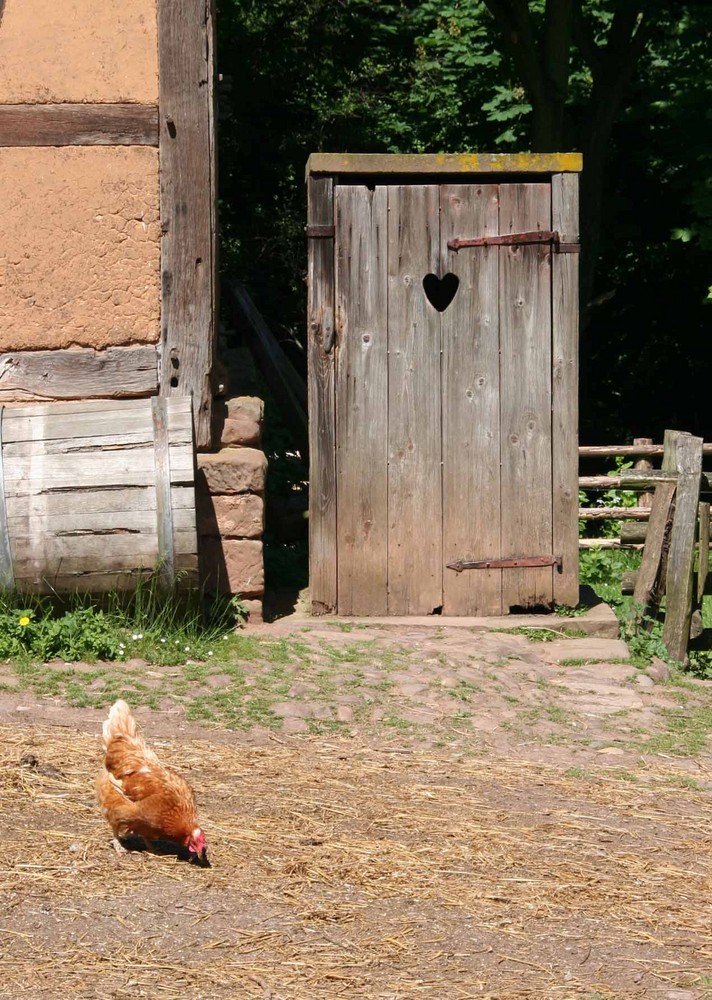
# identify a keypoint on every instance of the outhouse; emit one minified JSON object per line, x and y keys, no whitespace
{"x":443,"y":334}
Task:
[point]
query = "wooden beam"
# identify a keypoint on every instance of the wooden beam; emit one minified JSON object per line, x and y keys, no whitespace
{"x":678,"y":584}
{"x":444,"y":163}
{"x":187,"y":149}
{"x":613,"y":513}
{"x":703,"y":548}
{"x":284,"y":381}
{"x":322,"y":404}
{"x":624,"y":450}
{"x":78,"y":125}
{"x":649,"y":583}
{"x":80,"y":373}
{"x":564,"y":381}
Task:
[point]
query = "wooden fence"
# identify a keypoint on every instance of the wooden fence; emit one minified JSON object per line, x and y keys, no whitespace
{"x":677,"y":529}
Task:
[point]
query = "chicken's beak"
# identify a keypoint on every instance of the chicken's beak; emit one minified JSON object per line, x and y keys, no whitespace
{"x":201,"y":859}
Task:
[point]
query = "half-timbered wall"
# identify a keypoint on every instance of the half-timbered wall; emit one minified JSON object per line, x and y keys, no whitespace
{"x":107,"y":246}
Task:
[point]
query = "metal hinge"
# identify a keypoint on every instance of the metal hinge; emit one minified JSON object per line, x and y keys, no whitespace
{"x":518,"y":562}
{"x":515,"y":240}
{"x":320,"y":232}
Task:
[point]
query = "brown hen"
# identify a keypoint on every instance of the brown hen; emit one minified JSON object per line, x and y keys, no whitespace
{"x":142,"y":798}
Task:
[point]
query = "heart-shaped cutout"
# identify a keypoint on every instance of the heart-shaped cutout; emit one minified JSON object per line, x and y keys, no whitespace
{"x":440,"y":291}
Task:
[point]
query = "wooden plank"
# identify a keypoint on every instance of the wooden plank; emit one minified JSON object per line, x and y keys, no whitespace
{"x":49,"y":505}
{"x":564,"y":387}
{"x":68,"y":572}
{"x":415,"y":565}
{"x":164,"y":511}
{"x":79,"y":522}
{"x":470,"y":403}
{"x":132,"y":467}
{"x":80,"y":373}
{"x":443,"y":163}
{"x":283,"y":380}
{"x":678,"y":581}
{"x":94,"y":552}
{"x":362,"y":399}
{"x":526,"y":399}
{"x":78,"y":125}
{"x":703,"y":548}
{"x":649,"y":581}
{"x":97,"y":583}
{"x":187,"y":149}
{"x":7,"y":577}
{"x":92,"y":423}
{"x":322,"y":420}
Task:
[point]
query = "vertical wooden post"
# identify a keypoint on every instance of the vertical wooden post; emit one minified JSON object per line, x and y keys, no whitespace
{"x":322,"y":426}
{"x":645,"y":499}
{"x":678,"y":590}
{"x":187,"y":177}
{"x":564,"y":431}
{"x":703,"y":557}
{"x":650,"y":579}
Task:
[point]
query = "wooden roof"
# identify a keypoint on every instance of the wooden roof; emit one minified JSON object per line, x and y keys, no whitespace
{"x":444,"y":163}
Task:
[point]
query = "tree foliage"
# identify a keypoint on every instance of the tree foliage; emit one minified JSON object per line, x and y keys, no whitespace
{"x":626,"y":81}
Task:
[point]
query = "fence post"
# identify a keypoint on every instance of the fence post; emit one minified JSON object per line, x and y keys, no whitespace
{"x":678,"y":583}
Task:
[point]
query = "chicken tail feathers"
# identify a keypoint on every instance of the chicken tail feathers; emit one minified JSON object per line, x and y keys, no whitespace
{"x":120,"y":723}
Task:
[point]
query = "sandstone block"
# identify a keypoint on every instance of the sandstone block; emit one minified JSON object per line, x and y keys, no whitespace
{"x":238,"y":421}
{"x":232,"y":470}
{"x":245,"y":406}
{"x":253,"y":608}
{"x":232,"y":566}
{"x":240,"y":515}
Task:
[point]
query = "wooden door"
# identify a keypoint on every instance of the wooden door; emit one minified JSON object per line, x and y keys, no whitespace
{"x":442,"y":410}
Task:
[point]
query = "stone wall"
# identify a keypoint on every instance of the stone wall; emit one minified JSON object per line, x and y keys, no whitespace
{"x":230,"y":504}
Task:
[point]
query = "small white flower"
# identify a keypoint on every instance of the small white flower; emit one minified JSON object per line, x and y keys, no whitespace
{"x":177,"y":642}
{"x":121,"y":645}
{"x":163,"y":640}
{"x":135,"y":636}
{"x":210,"y":652}
{"x":187,"y":649}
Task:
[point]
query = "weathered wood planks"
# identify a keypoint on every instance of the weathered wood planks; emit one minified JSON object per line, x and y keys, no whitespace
{"x":525,"y":386}
{"x":479,"y":383}
{"x":564,"y":388}
{"x":362,"y":400}
{"x":322,"y":419}
{"x":81,"y":373}
{"x":78,"y":125}
{"x":84,"y":499}
{"x":470,"y":403}
{"x":415,"y":565}
{"x":187,"y":150}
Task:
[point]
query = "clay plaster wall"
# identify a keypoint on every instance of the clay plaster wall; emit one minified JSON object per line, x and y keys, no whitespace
{"x":79,"y":247}
{"x":78,"y":51}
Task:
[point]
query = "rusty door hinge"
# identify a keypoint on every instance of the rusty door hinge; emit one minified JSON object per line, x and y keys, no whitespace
{"x":320,"y":232}
{"x":518,"y":562}
{"x":515,"y":240}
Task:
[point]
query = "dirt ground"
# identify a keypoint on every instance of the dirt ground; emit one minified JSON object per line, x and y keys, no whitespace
{"x":429,"y":813}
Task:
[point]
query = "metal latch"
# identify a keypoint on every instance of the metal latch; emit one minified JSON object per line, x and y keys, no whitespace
{"x":518,"y":562}
{"x":516,"y":239}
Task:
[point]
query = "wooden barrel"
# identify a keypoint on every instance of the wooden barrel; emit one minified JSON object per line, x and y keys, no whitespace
{"x":97,"y":493}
